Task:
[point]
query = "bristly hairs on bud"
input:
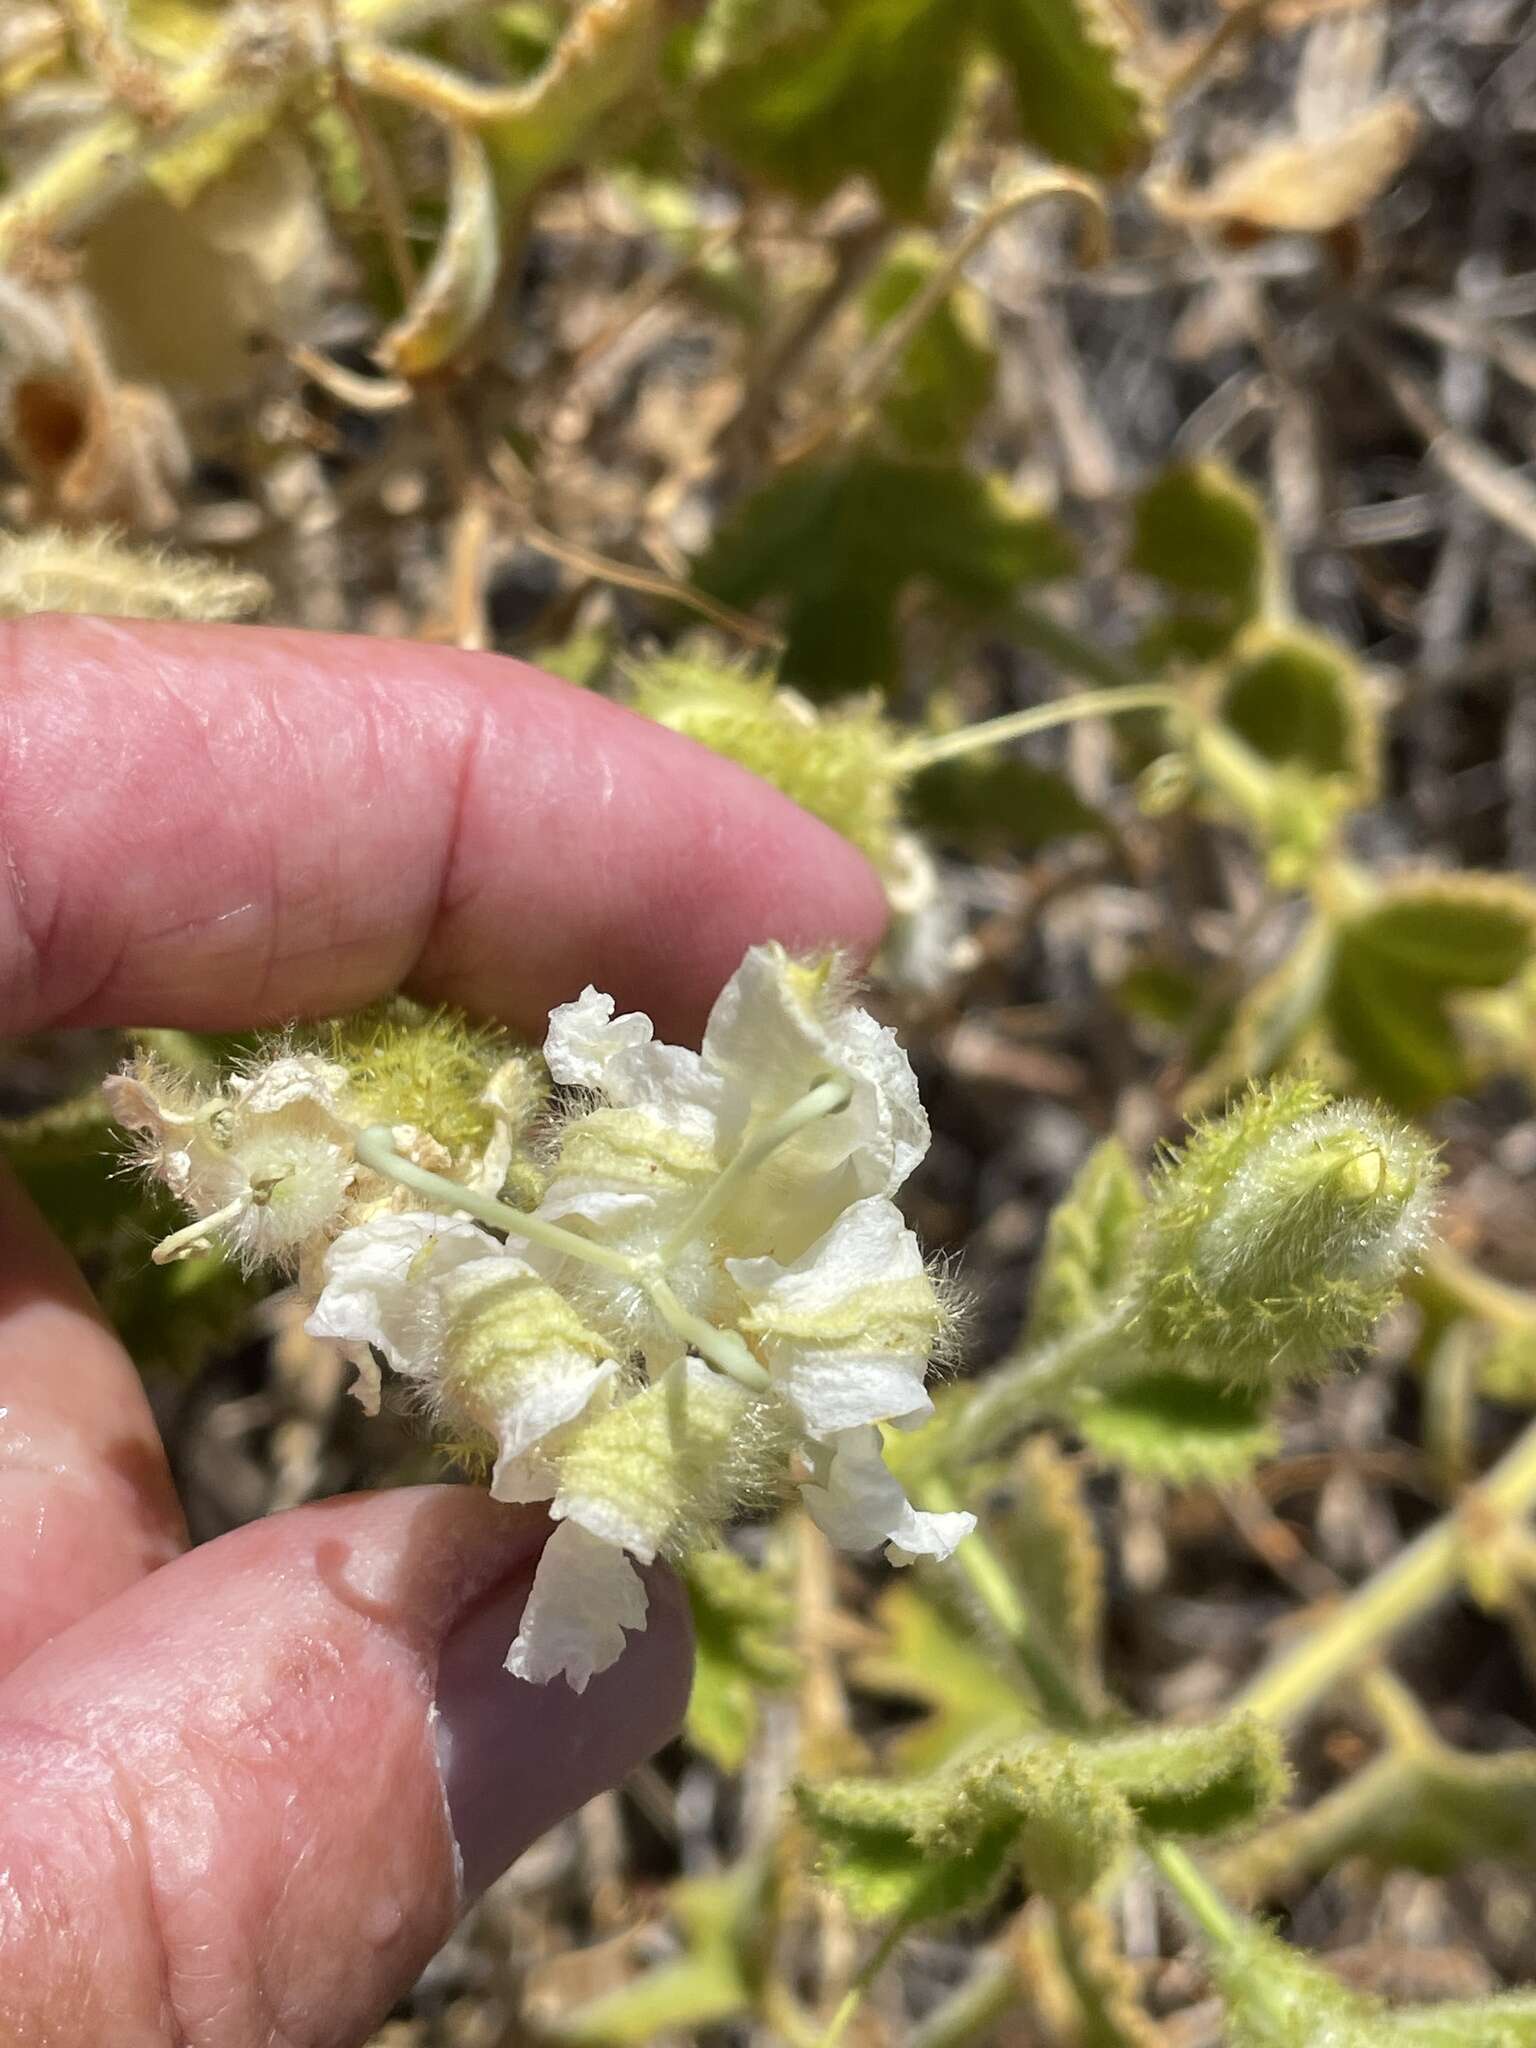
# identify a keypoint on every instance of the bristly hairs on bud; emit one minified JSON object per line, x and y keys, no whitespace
{"x":436,"y":1070}
{"x":1277,"y":1235}
{"x":843,"y":765}
{"x":55,"y":571}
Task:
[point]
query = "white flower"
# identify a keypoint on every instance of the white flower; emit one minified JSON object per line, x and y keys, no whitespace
{"x":585,"y":1595}
{"x":778,"y":1027}
{"x":858,"y":1503}
{"x":715,"y":1280}
{"x":847,"y":1329}
{"x":453,"y":1309}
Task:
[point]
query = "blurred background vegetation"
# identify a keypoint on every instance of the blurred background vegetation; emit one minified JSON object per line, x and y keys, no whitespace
{"x":827,"y":377}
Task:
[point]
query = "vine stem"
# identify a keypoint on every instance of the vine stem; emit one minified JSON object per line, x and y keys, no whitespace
{"x":1017,"y":725}
{"x":1291,"y":1684}
{"x":1194,"y":1891}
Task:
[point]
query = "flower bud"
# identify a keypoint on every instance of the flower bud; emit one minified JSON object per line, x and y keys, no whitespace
{"x":1277,"y":1236}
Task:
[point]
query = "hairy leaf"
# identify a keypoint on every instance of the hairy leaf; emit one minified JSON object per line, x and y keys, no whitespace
{"x":1089,"y":1245}
{"x":1043,"y":1532}
{"x":1175,"y":1427}
{"x":740,"y":1619}
{"x":837,"y":543}
{"x":1399,"y":966}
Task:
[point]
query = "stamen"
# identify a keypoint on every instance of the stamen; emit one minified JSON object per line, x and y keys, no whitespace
{"x":825,"y":1099}
{"x":375,"y":1149}
{"x":197,"y":1236}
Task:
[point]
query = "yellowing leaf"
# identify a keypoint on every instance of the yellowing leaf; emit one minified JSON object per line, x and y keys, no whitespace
{"x":1302,"y":184}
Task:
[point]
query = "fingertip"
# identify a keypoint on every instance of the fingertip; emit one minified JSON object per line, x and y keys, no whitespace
{"x":516,"y":1758}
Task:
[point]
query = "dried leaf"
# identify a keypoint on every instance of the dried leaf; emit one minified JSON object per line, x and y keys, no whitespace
{"x":1302,"y":184}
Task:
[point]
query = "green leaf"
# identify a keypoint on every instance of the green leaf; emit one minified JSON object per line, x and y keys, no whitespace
{"x":1202,"y":534}
{"x":943,"y":378}
{"x":1299,"y":701}
{"x":1398,"y":967}
{"x":1063,"y":1808}
{"x":1076,"y":89}
{"x":714,"y":1979}
{"x":741,"y":1617}
{"x":1172,"y":1426}
{"x":837,"y":544}
{"x":1450,"y":1809}
{"x":1040,"y":1528}
{"x":1202,"y":1780}
{"x":928,"y":1656}
{"x":920,"y":1848}
{"x":808,"y":92}
{"x":1089,"y":1245}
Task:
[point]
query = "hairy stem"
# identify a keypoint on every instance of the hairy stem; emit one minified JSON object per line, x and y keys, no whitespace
{"x":1290,"y":1685}
{"x":1016,"y":725}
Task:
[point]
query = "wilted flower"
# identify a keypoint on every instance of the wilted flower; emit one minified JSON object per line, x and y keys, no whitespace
{"x":714,"y":1289}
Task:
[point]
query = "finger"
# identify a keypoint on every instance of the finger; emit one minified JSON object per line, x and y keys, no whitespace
{"x":86,"y":1501}
{"x":217,"y":826}
{"x":228,"y":1801}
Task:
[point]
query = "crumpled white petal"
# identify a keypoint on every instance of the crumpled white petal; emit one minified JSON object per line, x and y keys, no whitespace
{"x":374,"y":1291}
{"x":549,"y":1395}
{"x":296,"y":1077}
{"x":620,"y":1058}
{"x":846,"y":1329}
{"x":585,"y":1595}
{"x":136,"y":1107}
{"x":774,"y":1032}
{"x":861,"y":1504}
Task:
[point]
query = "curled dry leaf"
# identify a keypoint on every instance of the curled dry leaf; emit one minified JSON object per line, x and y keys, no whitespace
{"x":1305,"y":185}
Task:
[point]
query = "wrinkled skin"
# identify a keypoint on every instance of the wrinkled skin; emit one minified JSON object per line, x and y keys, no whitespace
{"x":232,"y":1779}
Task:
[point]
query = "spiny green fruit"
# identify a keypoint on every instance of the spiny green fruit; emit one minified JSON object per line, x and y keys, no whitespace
{"x":1277,"y":1236}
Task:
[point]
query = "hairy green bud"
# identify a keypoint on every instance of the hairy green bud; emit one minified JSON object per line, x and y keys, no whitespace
{"x":843,"y":765}
{"x":1277,"y":1236}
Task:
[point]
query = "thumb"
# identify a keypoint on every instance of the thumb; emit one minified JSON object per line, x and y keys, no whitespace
{"x":244,"y":1801}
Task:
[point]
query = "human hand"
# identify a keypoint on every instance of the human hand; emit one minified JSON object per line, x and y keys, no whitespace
{"x":246,"y":1790}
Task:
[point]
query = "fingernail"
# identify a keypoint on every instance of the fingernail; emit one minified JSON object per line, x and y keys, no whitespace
{"x":516,"y":1757}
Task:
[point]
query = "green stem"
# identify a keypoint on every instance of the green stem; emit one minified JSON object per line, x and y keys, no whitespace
{"x":1194,"y":1891}
{"x":855,"y":1995}
{"x":724,"y":1349}
{"x":1419,"y":1576}
{"x":993,"y":1584}
{"x":375,"y":1149}
{"x":1019,"y":1390}
{"x":825,"y":1099}
{"x":1016,"y":725}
